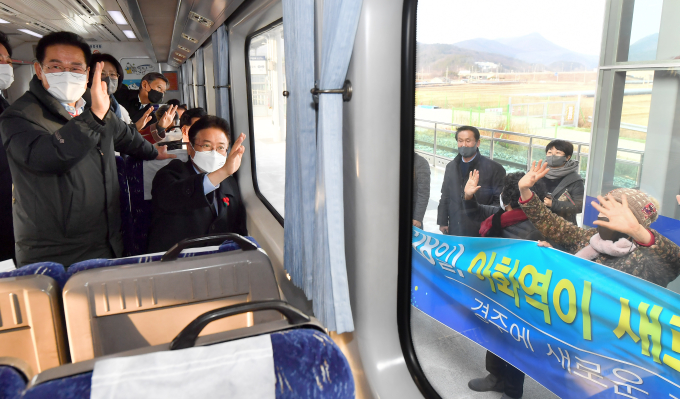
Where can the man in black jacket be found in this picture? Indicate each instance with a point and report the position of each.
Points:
(421, 189)
(151, 91)
(451, 215)
(6, 225)
(137, 102)
(60, 150)
(199, 196)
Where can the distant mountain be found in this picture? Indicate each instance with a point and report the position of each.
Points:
(488, 46)
(532, 48)
(435, 58)
(644, 49)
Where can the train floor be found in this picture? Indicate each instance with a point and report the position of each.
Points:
(450, 360)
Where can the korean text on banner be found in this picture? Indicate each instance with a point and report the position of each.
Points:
(579, 328)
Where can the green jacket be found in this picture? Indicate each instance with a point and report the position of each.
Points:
(66, 194)
(658, 263)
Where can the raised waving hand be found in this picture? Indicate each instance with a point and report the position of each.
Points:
(471, 187)
(620, 217)
(99, 93)
(535, 173)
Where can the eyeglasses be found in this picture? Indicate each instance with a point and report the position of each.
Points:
(110, 75)
(209, 147)
(60, 68)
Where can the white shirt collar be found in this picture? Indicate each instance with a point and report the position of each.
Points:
(473, 158)
(77, 110)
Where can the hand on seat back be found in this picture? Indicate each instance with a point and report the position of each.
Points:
(163, 152)
(99, 93)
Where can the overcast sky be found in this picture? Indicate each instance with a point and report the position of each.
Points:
(573, 24)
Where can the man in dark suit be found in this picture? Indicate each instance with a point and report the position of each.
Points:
(199, 196)
(138, 102)
(6, 224)
(452, 216)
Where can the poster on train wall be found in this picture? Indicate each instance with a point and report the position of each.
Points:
(134, 70)
(580, 329)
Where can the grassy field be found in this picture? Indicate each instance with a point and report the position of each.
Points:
(477, 97)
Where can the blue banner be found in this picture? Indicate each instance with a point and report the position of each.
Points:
(581, 329)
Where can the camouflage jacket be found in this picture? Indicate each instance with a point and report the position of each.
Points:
(658, 263)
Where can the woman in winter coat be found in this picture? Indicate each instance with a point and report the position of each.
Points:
(507, 220)
(622, 240)
(563, 181)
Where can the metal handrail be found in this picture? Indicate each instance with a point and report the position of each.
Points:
(530, 145)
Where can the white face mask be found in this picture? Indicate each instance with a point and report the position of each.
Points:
(208, 161)
(6, 76)
(502, 204)
(67, 87)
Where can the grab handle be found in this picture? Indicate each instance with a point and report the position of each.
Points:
(174, 252)
(187, 337)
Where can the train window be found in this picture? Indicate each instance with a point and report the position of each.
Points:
(267, 81)
(209, 78)
(491, 307)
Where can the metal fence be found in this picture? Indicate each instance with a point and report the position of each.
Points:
(579, 155)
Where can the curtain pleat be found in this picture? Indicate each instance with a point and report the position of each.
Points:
(323, 273)
(220, 39)
(298, 39)
(184, 92)
(340, 21)
(190, 84)
(200, 79)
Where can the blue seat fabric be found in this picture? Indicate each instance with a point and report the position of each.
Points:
(307, 364)
(140, 208)
(226, 246)
(12, 382)
(50, 269)
(74, 387)
(125, 208)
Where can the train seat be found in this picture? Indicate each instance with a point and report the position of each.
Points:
(89, 264)
(125, 207)
(50, 269)
(114, 309)
(306, 362)
(12, 382)
(140, 175)
(140, 208)
(32, 335)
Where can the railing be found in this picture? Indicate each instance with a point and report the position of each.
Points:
(578, 155)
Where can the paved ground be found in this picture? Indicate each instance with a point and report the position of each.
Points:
(450, 360)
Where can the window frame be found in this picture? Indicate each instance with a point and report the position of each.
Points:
(607, 69)
(406, 153)
(251, 126)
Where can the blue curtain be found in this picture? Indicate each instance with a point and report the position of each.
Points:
(298, 41)
(184, 97)
(191, 103)
(331, 292)
(200, 79)
(220, 39)
(324, 277)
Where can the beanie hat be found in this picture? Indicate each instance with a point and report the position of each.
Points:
(639, 203)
